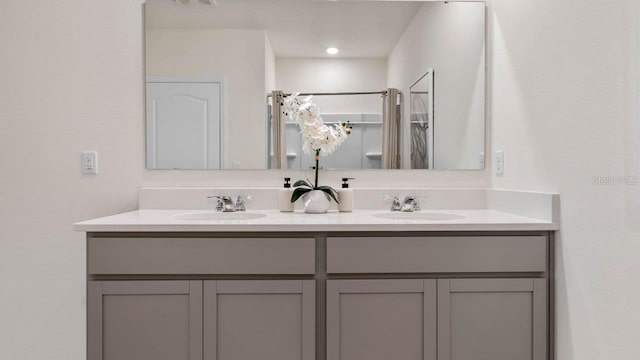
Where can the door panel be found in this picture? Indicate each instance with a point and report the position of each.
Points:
(381, 319)
(492, 319)
(263, 319)
(184, 125)
(145, 320)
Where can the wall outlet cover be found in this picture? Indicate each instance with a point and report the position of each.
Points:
(89, 164)
(500, 162)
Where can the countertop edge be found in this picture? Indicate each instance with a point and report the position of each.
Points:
(244, 228)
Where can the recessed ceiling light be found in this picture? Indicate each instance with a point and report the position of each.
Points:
(332, 50)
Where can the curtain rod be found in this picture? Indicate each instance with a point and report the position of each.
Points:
(384, 92)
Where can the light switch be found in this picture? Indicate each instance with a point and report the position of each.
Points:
(500, 162)
(89, 162)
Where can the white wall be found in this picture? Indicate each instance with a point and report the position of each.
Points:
(563, 111)
(448, 38)
(315, 75)
(269, 67)
(72, 80)
(175, 52)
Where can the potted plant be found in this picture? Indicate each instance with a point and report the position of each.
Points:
(318, 139)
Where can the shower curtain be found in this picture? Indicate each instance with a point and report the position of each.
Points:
(279, 150)
(392, 114)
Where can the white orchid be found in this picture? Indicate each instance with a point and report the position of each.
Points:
(318, 138)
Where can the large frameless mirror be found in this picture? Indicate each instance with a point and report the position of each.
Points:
(408, 76)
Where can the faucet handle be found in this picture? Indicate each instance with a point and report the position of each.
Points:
(219, 197)
(240, 202)
(395, 202)
(411, 202)
(219, 203)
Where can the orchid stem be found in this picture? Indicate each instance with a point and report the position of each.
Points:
(317, 168)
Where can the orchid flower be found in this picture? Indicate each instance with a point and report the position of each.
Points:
(317, 138)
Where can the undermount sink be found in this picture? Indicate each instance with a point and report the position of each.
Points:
(418, 216)
(218, 216)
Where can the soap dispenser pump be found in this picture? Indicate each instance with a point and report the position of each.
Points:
(284, 197)
(345, 196)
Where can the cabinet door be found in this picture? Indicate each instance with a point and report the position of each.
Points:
(492, 319)
(261, 319)
(381, 319)
(144, 320)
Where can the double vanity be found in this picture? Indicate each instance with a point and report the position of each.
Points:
(460, 279)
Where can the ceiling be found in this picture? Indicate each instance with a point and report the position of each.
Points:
(298, 28)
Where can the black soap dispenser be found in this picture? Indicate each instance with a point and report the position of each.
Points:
(346, 196)
(284, 196)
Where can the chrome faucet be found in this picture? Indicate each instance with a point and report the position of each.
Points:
(410, 204)
(240, 202)
(395, 202)
(226, 204)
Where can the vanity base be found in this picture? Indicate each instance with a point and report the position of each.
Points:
(336, 296)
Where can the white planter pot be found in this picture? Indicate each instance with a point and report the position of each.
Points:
(316, 202)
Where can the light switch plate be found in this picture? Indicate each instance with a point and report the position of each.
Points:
(500, 162)
(89, 163)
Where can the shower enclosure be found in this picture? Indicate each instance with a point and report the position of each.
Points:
(421, 124)
(374, 142)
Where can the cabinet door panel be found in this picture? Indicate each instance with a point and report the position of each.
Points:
(381, 319)
(492, 319)
(264, 319)
(140, 320)
(435, 254)
(195, 255)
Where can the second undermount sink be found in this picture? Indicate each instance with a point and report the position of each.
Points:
(218, 216)
(417, 216)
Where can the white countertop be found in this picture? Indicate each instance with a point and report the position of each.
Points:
(275, 221)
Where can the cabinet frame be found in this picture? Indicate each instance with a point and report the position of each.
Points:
(305, 288)
(320, 278)
(537, 288)
(96, 290)
(426, 287)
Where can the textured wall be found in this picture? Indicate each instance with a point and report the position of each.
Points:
(314, 75)
(448, 38)
(563, 79)
(71, 80)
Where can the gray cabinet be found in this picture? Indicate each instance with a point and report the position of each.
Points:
(474, 319)
(177, 320)
(381, 319)
(492, 319)
(436, 254)
(144, 320)
(199, 255)
(264, 319)
(413, 296)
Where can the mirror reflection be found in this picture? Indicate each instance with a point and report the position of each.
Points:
(409, 77)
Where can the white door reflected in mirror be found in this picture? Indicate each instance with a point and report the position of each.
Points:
(184, 122)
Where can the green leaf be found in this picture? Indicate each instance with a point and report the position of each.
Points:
(297, 193)
(302, 183)
(329, 190)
